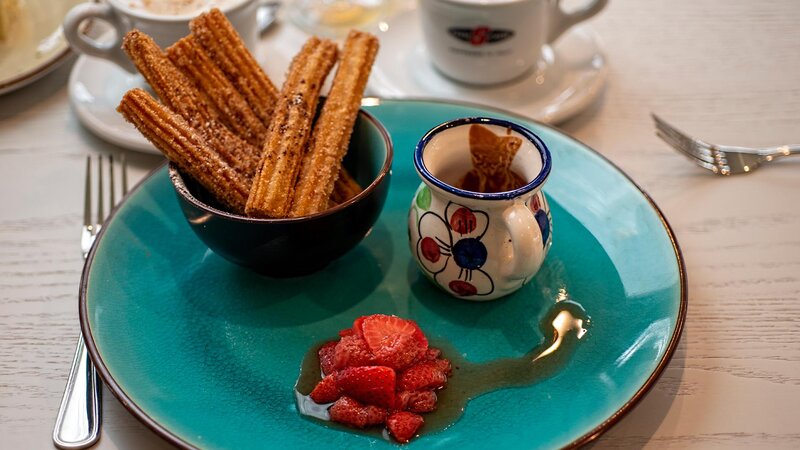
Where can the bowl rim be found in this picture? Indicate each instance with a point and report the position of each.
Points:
(183, 191)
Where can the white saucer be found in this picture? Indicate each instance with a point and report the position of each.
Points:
(95, 88)
(572, 75)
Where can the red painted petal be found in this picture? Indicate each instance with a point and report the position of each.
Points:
(430, 249)
(463, 288)
(463, 221)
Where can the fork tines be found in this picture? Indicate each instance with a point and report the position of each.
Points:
(700, 152)
(102, 190)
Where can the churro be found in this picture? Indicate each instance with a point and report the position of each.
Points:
(234, 111)
(345, 188)
(331, 134)
(180, 95)
(273, 185)
(173, 88)
(492, 156)
(184, 146)
(224, 46)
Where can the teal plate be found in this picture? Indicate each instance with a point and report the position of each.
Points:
(207, 353)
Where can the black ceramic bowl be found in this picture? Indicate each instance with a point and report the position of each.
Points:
(297, 246)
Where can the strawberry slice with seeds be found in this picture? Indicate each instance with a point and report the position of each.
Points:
(326, 353)
(398, 351)
(422, 401)
(352, 351)
(423, 376)
(403, 425)
(444, 365)
(374, 385)
(326, 391)
(350, 412)
(415, 401)
(357, 326)
(376, 327)
(432, 353)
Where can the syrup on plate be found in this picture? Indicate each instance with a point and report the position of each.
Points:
(562, 327)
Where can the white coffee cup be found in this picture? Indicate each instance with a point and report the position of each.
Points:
(493, 41)
(124, 15)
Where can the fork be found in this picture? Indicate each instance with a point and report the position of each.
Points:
(720, 159)
(79, 415)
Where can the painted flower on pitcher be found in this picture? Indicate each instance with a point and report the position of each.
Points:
(451, 250)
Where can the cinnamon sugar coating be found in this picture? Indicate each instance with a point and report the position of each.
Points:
(273, 186)
(184, 146)
(345, 187)
(331, 135)
(182, 96)
(224, 46)
(233, 110)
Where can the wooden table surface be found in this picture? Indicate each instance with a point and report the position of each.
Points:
(725, 70)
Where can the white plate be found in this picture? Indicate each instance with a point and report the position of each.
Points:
(35, 45)
(571, 77)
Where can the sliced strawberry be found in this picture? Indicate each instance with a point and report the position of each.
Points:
(415, 401)
(369, 384)
(326, 391)
(346, 332)
(326, 353)
(398, 351)
(378, 326)
(403, 425)
(375, 415)
(444, 365)
(432, 353)
(401, 400)
(352, 351)
(422, 401)
(357, 326)
(422, 376)
(350, 412)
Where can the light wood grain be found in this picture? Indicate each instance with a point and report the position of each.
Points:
(724, 70)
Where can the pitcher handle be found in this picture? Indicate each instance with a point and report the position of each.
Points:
(526, 241)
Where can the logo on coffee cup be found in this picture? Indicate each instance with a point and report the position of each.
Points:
(480, 35)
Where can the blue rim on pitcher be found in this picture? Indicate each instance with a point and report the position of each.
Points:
(506, 195)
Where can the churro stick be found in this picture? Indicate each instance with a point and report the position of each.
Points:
(224, 46)
(234, 111)
(181, 96)
(492, 156)
(173, 88)
(345, 188)
(331, 134)
(184, 146)
(273, 186)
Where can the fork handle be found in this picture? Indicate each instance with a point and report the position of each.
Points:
(78, 420)
(777, 152)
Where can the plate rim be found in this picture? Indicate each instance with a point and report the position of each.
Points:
(23, 79)
(20, 80)
(591, 435)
